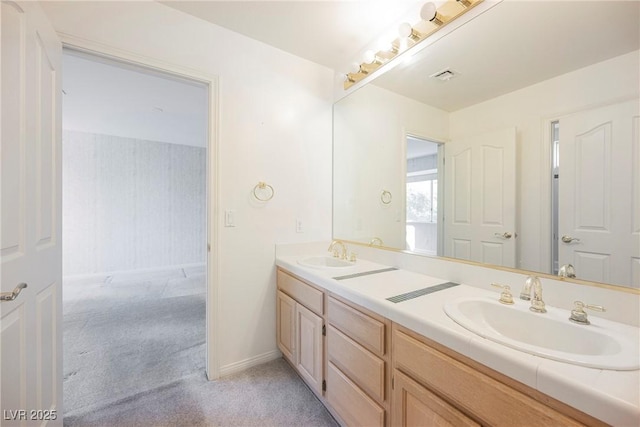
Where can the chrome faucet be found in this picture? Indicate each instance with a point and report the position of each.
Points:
(533, 284)
(334, 250)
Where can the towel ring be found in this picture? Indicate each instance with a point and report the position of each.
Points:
(260, 188)
(385, 197)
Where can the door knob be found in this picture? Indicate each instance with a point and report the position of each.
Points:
(505, 235)
(10, 296)
(567, 270)
(569, 239)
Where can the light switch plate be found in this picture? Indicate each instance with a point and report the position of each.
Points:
(229, 218)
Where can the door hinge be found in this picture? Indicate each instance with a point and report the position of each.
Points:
(393, 383)
(324, 331)
(324, 385)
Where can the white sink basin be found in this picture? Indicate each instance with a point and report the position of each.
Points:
(325, 262)
(603, 344)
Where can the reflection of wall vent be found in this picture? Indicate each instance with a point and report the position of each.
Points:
(444, 75)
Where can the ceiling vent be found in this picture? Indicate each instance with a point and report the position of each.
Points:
(444, 75)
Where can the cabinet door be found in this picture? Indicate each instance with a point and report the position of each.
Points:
(414, 405)
(309, 346)
(286, 326)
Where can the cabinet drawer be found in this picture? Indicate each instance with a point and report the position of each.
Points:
(358, 363)
(352, 404)
(474, 392)
(306, 295)
(363, 329)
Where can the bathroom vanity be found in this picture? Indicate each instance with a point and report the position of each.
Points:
(377, 362)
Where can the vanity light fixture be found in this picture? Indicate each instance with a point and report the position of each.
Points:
(409, 36)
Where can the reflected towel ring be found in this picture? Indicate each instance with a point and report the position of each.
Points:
(261, 188)
(385, 197)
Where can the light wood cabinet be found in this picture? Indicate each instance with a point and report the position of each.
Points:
(309, 349)
(353, 405)
(378, 373)
(285, 325)
(414, 405)
(299, 328)
(474, 390)
(363, 328)
(302, 292)
(358, 364)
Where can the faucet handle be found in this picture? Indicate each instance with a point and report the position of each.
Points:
(578, 315)
(505, 295)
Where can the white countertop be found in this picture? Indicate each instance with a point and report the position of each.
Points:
(611, 396)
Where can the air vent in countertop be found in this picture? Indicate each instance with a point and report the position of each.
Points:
(420, 292)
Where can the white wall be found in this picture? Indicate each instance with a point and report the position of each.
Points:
(369, 156)
(275, 126)
(112, 98)
(131, 204)
(529, 109)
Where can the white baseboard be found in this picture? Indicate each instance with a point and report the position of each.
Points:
(240, 366)
(104, 275)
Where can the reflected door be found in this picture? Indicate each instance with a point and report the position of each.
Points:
(480, 198)
(599, 194)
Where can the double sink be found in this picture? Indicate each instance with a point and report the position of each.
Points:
(603, 344)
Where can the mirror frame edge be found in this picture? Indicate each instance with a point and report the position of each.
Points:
(608, 286)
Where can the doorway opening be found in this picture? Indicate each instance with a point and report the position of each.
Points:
(135, 144)
(555, 190)
(423, 185)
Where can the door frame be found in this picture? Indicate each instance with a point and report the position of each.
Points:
(406, 133)
(212, 172)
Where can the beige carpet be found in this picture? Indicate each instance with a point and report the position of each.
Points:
(134, 350)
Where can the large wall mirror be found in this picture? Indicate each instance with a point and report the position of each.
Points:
(514, 141)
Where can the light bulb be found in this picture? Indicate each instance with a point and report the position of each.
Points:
(429, 12)
(405, 30)
(369, 57)
(388, 47)
(355, 68)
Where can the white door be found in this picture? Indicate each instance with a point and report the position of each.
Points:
(480, 198)
(31, 335)
(599, 194)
